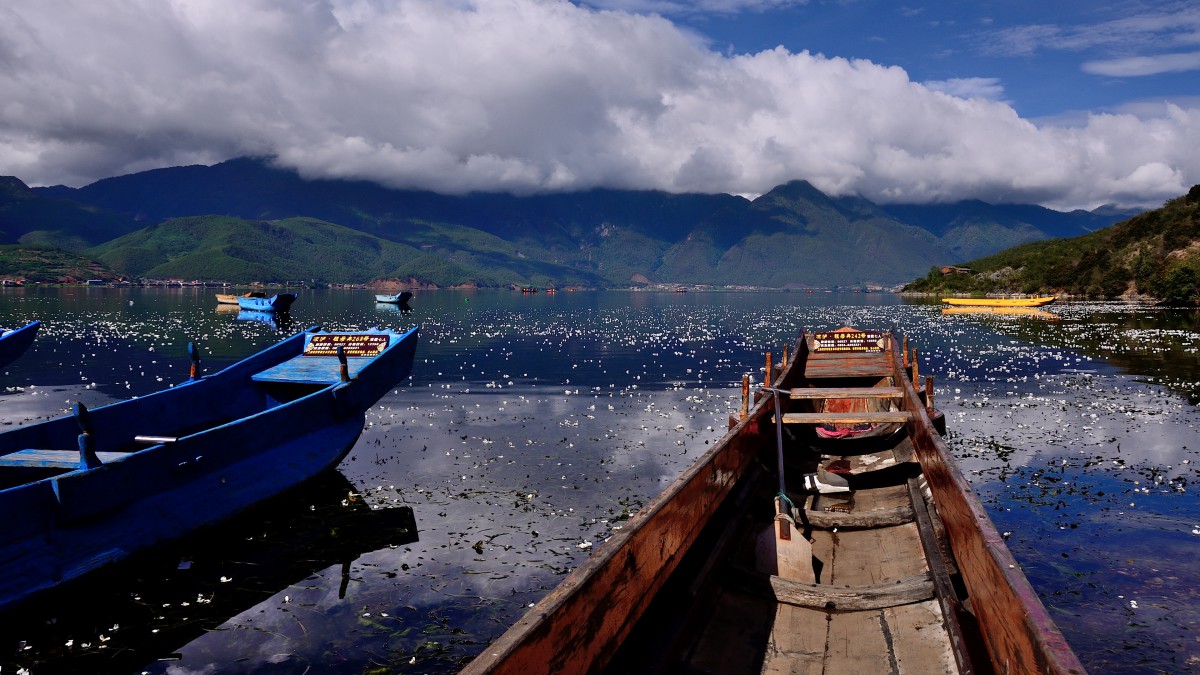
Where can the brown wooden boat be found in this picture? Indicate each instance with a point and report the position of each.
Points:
(875, 557)
(232, 298)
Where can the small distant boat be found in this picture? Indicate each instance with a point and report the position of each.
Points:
(401, 297)
(1034, 301)
(276, 303)
(232, 299)
(791, 553)
(150, 469)
(14, 343)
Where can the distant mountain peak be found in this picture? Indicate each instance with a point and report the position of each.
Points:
(11, 186)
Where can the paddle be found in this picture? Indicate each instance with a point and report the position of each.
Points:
(782, 549)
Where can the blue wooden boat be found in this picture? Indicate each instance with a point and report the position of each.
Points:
(81, 491)
(14, 343)
(279, 302)
(401, 297)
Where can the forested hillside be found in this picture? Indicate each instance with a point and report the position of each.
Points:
(1154, 254)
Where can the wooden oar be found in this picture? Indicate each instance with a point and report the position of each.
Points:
(782, 549)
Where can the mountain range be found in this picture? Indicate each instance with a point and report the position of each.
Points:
(244, 220)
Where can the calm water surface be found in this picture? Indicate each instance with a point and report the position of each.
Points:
(534, 425)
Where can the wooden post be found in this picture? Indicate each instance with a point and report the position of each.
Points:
(767, 377)
(783, 362)
(343, 367)
(915, 377)
(905, 351)
(929, 392)
(745, 397)
(194, 353)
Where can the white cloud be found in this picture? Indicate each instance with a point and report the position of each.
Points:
(969, 87)
(1134, 66)
(530, 95)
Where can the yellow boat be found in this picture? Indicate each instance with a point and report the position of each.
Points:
(1036, 301)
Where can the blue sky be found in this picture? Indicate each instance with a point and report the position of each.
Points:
(1066, 104)
(1047, 59)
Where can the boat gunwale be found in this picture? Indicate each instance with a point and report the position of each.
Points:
(1039, 647)
(18, 341)
(515, 650)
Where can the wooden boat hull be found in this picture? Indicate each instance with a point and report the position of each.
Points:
(232, 298)
(1000, 302)
(280, 302)
(16, 342)
(682, 587)
(211, 448)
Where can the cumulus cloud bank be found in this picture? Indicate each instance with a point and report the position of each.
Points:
(527, 96)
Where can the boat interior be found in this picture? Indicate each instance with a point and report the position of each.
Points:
(866, 582)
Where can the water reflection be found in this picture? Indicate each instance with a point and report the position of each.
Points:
(281, 321)
(277, 566)
(1027, 312)
(534, 425)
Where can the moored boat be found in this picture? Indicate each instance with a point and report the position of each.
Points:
(232, 298)
(279, 302)
(401, 297)
(14, 343)
(1033, 301)
(790, 552)
(84, 490)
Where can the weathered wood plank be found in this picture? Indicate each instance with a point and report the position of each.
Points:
(847, 417)
(824, 365)
(857, 643)
(916, 588)
(797, 642)
(827, 520)
(867, 557)
(918, 641)
(845, 392)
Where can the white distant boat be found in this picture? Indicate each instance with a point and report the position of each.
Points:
(402, 297)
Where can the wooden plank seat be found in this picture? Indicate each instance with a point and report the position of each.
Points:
(828, 520)
(848, 365)
(916, 588)
(309, 370)
(51, 459)
(846, 392)
(847, 417)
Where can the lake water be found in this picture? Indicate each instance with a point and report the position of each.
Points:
(534, 425)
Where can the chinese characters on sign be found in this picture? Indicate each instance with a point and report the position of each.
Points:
(849, 341)
(353, 344)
